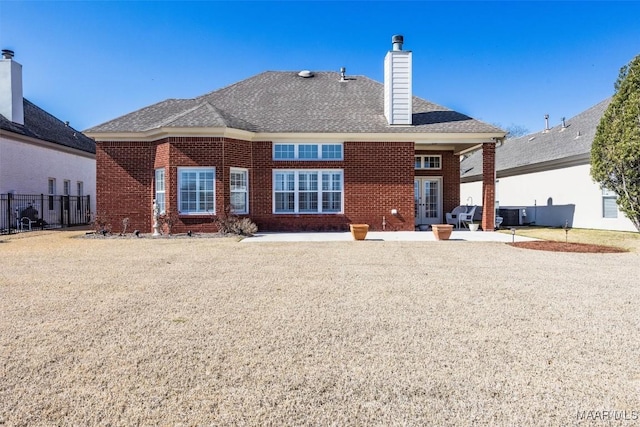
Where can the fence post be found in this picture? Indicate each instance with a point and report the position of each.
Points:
(9, 222)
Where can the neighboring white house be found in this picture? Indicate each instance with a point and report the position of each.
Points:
(40, 155)
(544, 178)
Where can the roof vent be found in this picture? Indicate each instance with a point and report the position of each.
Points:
(546, 123)
(564, 125)
(305, 74)
(7, 54)
(343, 75)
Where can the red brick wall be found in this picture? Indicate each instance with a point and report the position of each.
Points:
(488, 186)
(378, 177)
(124, 177)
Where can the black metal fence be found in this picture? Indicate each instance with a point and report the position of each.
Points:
(28, 212)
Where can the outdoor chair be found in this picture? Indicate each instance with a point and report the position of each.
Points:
(466, 218)
(27, 218)
(453, 217)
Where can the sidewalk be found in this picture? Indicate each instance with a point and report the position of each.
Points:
(386, 236)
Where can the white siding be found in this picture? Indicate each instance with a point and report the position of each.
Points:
(11, 105)
(570, 186)
(398, 105)
(25, 168)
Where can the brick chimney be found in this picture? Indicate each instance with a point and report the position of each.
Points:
(11, 101)
(398, 106)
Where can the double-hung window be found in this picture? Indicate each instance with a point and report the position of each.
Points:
(308, 191)
(304, 151)
(196, 191)
(160, 191)
(239, 182)
(51, 186)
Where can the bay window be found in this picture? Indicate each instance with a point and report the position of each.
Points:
(196, 190)
(160, 192)
(239, 182)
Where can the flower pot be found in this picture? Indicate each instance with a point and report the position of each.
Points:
(359, 231)
(442, 231)
(473, 227)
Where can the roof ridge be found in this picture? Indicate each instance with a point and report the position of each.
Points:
(166, 121)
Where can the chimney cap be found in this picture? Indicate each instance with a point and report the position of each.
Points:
(397, 42)
(7, 54)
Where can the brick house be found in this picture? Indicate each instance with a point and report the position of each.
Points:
(293, 151)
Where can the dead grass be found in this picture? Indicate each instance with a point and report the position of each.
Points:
(217, 332)
(627, 240)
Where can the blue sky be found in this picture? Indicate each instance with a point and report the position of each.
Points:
(507, 63)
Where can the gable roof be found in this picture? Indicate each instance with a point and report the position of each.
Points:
(279, 102)
(41, 125)
(543, 150)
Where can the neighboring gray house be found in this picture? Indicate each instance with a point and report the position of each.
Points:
(544, 178)
(42, 161)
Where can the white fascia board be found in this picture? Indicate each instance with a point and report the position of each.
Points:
(160, 133)
(416, 137)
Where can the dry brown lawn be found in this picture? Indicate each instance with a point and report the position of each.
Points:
(219, 332)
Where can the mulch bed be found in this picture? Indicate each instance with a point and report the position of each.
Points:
(548, 245)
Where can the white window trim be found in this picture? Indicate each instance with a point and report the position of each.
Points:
(246, 173)
(196, 168)
(296, 151)
(423, 156)
(50, 182)
(80, 188)
(296, 191)
(161, 209)
(66, 187)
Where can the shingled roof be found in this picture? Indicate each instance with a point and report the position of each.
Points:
(284, 102)
(41, 125)
(554, 148)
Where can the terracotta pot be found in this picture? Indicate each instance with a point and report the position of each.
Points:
(442, 231)
(359, 231)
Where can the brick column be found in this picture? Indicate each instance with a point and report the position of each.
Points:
(488, 186)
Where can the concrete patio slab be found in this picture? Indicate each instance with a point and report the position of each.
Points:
(386, 236)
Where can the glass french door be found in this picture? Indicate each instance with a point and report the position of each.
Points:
(428, 200)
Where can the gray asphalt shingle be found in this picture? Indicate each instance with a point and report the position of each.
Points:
(42, 125)
(538, 148)
(276, 101)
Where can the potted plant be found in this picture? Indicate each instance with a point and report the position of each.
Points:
(442, 231)
(359, 231)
